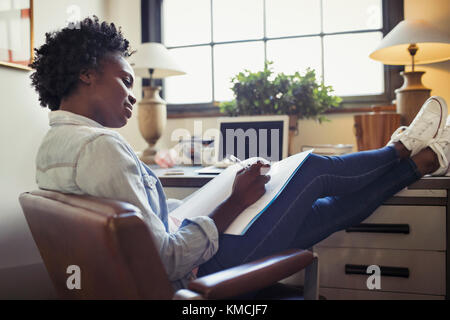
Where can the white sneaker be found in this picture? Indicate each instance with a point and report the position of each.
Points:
(426, 127)
(442, 148)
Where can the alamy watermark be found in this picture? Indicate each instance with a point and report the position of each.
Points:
(264, 143)
(74, 280)
(74, 16)
(374, 280)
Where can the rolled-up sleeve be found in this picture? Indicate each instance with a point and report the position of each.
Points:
(194, 243)
(105, 168)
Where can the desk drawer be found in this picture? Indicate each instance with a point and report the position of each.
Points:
(347, 294)
(396, 227)
(422, 193)
(425, 270)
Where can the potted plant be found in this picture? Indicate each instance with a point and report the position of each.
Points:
(298, 96)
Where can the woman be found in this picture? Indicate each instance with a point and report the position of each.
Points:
(82, 75)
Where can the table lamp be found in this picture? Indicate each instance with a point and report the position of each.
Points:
(152, 60)
(412, 42)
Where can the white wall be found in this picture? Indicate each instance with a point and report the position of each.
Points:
(436, 12)
(22, 126)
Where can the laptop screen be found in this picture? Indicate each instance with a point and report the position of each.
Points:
(254, 138)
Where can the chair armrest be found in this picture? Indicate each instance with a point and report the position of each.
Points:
(251, 276)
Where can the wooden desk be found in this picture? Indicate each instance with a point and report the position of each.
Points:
(190, 179)
(181, 186)
(408, 233)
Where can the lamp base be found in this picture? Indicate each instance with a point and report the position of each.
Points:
(411, 96)
(148, 156)
(152, 118)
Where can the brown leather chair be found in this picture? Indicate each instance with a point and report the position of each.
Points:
(114, 250)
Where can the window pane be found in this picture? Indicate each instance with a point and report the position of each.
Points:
(292, 55)
(186, 22)
(351, 15)
(196, 85)
(292, 17)
(237, 20)
(348, 67)
(229, 60)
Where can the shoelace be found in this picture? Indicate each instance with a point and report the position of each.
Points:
(400, 132)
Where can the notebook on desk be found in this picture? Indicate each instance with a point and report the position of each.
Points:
(205, 200)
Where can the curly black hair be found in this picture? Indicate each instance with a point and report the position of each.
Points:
(67, 52)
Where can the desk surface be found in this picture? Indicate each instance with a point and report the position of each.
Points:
(191, 179)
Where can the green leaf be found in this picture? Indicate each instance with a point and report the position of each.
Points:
(264, 92)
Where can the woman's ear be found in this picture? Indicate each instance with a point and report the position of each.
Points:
(86, 76)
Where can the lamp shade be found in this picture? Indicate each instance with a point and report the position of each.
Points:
(153, 55)
(433, 44)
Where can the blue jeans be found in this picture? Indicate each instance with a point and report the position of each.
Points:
(326, 195)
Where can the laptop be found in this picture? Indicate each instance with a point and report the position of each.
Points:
(249, 136)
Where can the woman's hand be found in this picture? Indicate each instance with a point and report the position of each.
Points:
(249, 185)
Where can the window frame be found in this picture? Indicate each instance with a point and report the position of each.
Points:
(393, 13)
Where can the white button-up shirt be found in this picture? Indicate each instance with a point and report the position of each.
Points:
(80, 156)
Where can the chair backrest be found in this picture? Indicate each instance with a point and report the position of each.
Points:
(108, 240)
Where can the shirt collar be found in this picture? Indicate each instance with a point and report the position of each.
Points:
(59, 117)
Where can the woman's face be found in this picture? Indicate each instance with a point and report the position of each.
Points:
(110, 92)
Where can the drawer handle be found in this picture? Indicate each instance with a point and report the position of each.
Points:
(380, 228)
(385, 271)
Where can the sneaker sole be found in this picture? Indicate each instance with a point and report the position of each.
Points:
(444, 112)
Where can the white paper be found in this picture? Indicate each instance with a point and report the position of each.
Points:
(205, 200)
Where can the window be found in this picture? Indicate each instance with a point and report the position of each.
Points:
(216, 39)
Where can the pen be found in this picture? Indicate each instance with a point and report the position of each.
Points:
(263, 171)
(235, 159)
